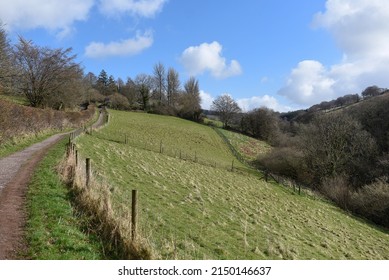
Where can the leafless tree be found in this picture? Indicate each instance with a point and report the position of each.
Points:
(44, 71)
(6, 68)
(173, 86)
(226, 107)
(190, 100)
(159, 82)
(143, 84)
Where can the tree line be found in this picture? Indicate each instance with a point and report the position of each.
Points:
(53, 78)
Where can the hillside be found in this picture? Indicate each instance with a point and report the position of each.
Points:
(192, 210)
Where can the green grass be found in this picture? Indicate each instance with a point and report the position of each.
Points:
(146, 131)
(54, 229)
(192, 211)
(23, 142)
(214, 123)
(249, 148)
(18, 99)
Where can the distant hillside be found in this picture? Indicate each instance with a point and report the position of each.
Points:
(343, 102)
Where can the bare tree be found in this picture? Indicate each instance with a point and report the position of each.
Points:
(143, 84)
(173, 86)
(226, 107)
(6, 69)
(159, 81)
(44, 71)
(190, 100)
(335, 145)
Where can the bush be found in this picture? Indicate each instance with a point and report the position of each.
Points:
(372, 201)
(118, 101)
(19, 121)
(285, 161)
(337, 189)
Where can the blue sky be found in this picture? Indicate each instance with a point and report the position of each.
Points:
(281, 54)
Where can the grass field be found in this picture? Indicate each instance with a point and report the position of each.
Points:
(192, 211)
(146, 131)
(249, 148)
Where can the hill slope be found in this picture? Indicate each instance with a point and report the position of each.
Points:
(194, 211)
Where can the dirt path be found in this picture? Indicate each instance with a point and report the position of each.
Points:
(16, 171)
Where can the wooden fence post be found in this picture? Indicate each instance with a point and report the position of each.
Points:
(160, 147)
(232, 165)
(88, 172)
(134, 214)
(266, 175)
(76, 157)
(195, 156)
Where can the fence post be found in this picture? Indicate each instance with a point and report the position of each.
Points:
(266, 175)
(88, 172)
(195, 156)
(299, 189)
(134, 214)
(180, 155)
(160, 147)
(232, 165)
(76, 157)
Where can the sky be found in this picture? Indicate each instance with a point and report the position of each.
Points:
(284, 55)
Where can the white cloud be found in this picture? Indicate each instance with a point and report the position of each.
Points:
(127, 47)
(144, 8)
(308, 82)
(54, 15)
(207, 57)
(206, 100)
(360, 29)
(247, 104)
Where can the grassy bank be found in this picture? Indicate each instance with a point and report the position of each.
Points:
(193, 211)
(54, 229)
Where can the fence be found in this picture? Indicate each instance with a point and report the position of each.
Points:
(120, 234)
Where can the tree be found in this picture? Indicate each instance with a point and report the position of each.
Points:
(190, 100)
(111, 85)
(226, 107)
(102, 82)
(6, 69)
(44, 71)
(130, 91)
(372, 91)
(143, 85)
(336, 145)
(159, 82)
(261, 123)
(173, 86)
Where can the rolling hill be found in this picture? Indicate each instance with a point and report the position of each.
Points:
(192, 208)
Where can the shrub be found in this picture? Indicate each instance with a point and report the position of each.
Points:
(372, 201)
(337, 189)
